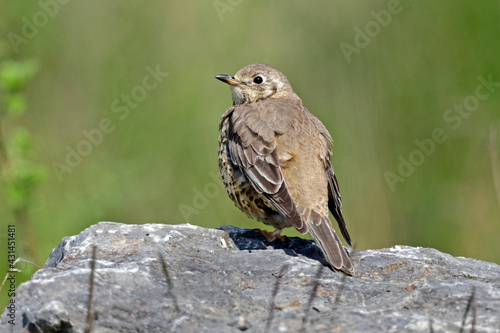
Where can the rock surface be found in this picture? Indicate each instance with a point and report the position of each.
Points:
(224, 281)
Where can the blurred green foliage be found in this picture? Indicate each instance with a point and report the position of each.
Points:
(22, 175)
(159, 150)
(14, 76)
(19, 175)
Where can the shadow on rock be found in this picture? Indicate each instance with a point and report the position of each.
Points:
(251, 240)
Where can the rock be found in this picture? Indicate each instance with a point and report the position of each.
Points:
(225, 281)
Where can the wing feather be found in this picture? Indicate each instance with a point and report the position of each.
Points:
(334, 199)
(252, 147)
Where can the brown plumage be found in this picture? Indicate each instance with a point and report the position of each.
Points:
(274, 158)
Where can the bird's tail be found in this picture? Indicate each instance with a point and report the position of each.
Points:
(325, 236)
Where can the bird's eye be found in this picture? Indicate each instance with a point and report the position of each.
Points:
(258, 80)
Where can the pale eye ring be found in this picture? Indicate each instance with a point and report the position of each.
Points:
(258, 80)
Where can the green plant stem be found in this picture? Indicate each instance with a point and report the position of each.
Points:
(3, 151)
(29, 242)
(493, 154)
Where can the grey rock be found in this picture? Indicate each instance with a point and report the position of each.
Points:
(224, 281)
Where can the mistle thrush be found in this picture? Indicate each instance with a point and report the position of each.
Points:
(274, 158)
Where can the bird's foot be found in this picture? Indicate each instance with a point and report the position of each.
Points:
(271, 236)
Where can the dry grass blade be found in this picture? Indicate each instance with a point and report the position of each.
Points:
(341, 289)
(473, 325)
(169, 282)
(16, 270)
(273, 297)
(317, 277)
(226, 236)
(467, 309)
(90, 322)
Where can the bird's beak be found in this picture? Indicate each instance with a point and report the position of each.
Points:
(229, 79)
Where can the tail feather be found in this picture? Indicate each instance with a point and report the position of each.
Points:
(329, 243)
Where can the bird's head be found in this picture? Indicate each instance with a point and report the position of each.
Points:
(258, 82)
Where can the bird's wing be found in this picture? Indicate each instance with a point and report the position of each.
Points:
(252, 147)
(334, 200)
(334, 204)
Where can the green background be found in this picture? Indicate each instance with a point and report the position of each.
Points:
(158, 159)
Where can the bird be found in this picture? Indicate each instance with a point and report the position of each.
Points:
(275, 161)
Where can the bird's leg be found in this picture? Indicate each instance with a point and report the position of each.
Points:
(271, 236)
